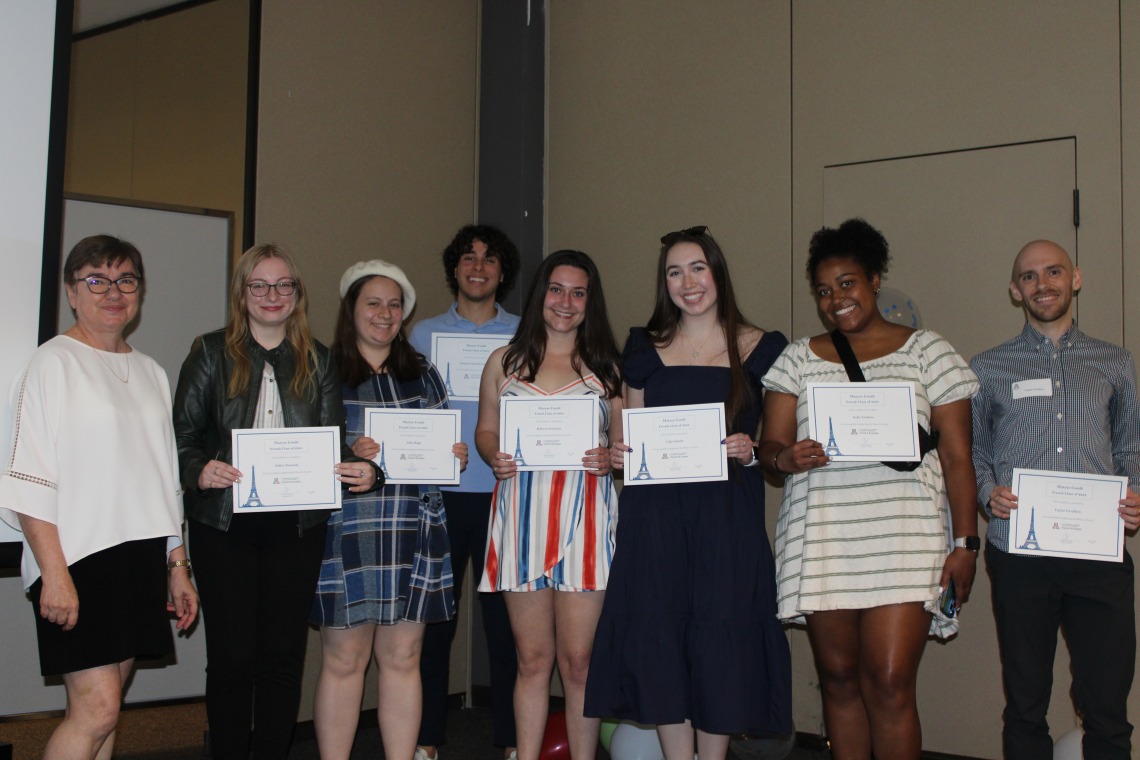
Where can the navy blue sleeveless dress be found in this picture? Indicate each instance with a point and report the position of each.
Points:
(688, 630)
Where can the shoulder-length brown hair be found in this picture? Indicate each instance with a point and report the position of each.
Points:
(297, 332)
(594, 344)
(403, 361)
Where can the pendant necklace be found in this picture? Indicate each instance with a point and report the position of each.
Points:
(127, 360)
(694, 352)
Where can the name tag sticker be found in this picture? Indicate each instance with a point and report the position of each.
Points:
(1031, 388)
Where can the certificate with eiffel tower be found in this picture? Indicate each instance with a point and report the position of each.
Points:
(1065, 514)
(286, 469)
(675, 444)
(864, 422)
(415, 444)
(460, 358)
(548, 432)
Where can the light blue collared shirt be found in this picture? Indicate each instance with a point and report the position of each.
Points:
(477, 478)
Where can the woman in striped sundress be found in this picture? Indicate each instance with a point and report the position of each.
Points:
(862, 550)
(550, 540)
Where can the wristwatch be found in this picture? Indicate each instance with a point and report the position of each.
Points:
(973, 543)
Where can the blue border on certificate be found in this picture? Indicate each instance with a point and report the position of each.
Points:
(831, 447)
(513, 440)
(636, 457)
(380, 459)
(464, 339)
(1031, 535)
(243, 495)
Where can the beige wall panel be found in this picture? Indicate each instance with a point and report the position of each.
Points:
(1130, 168)
(367, 128)
(878, 79)
(884, 78)
(190, 112)
(100, 116)
(157, 111)
(665, 115)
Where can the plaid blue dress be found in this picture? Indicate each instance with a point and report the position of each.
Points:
(387, 556)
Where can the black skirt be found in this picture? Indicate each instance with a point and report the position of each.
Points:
(122, 610)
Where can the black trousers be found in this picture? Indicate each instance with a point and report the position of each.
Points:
(467, 519)
(1093, 602)
(256, 582)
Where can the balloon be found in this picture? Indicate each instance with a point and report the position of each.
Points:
(1068, 747)
(896, 306)
(555, 745)
(607, 733)
(630, 742)
(762, 746)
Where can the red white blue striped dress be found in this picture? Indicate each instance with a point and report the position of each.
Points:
(552, 529)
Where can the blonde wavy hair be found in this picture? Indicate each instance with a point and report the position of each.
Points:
(297, 332)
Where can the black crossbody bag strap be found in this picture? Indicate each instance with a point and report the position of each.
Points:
(926, 441)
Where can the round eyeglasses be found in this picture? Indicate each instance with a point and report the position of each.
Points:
(100, 285)
(261, 289)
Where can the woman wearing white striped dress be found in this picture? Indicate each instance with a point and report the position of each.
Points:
(550, 540)
(861, 549)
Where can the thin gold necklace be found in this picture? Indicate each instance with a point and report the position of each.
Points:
(111, 370)
(694, 352)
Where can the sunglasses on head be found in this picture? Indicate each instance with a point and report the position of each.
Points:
(673, 237)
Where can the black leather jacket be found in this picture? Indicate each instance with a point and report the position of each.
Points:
(204, 417)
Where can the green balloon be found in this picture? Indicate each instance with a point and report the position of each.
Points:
(607, 733)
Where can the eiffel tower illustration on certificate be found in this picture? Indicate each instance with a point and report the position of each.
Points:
(518, 457)
(253, 501)
(1031, 539)
(643, 471)
(381, 464)
(447, 382)
(832, 448)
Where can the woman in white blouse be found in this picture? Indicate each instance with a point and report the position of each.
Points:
(92, 480)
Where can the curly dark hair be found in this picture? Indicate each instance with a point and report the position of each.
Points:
(595, 347)
(855, 239)
(497, 244)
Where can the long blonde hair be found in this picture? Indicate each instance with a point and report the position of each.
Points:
(297, 332)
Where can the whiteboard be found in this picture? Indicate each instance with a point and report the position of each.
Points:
(186, 256)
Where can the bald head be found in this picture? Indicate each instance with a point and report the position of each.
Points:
(1036, 249)
(1044, 281)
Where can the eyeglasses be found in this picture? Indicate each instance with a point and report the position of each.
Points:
(672, 237)
(100, 285)
(261, 289)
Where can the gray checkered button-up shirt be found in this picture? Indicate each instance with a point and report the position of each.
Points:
(1069, 408)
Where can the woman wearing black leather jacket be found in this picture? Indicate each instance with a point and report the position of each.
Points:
(256, 572)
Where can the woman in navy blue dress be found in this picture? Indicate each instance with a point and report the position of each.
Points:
(688, 638)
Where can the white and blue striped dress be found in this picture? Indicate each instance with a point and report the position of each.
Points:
(855, 535)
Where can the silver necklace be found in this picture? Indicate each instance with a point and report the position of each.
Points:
(127, 359)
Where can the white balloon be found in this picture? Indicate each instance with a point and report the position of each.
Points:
(896, 306)
(630, 742)
(1068, 747)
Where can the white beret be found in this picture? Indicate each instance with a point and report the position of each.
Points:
(379, 267)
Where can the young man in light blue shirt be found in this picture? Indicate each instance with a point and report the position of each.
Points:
(481, 265)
